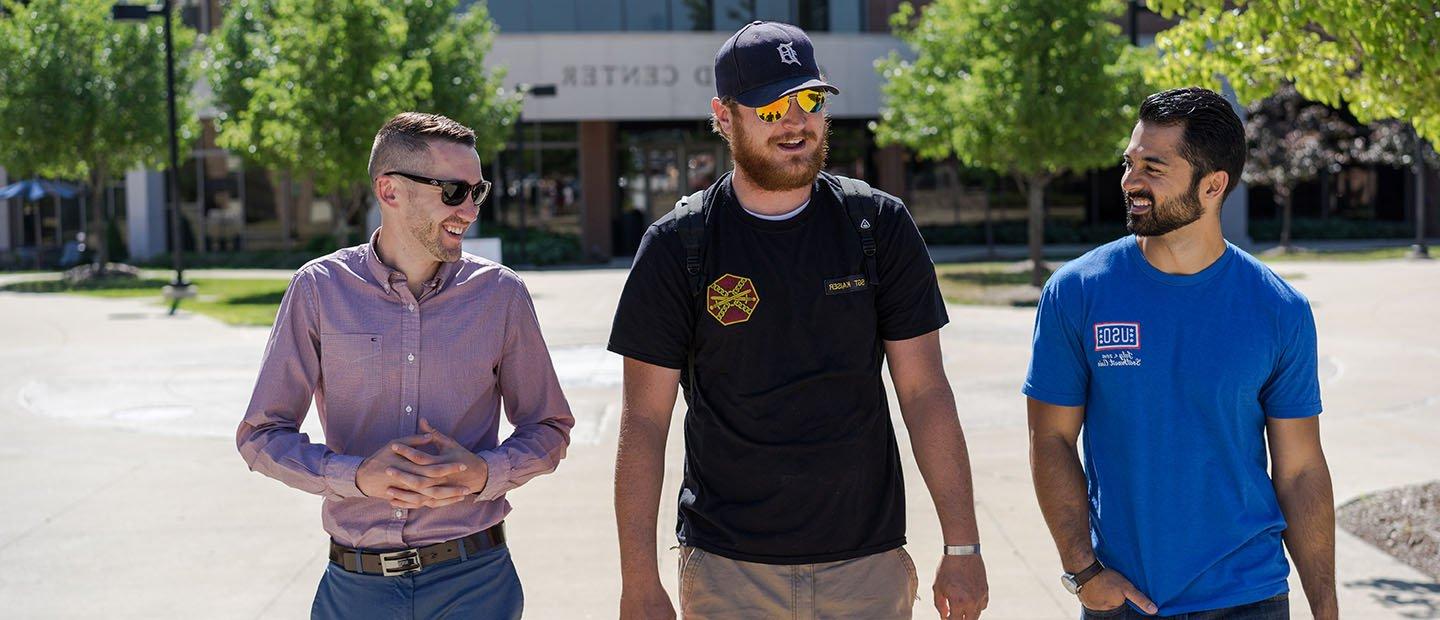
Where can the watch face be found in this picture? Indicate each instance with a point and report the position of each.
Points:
(1069, 582)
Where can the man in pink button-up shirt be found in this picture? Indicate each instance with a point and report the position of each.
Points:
(408, 347)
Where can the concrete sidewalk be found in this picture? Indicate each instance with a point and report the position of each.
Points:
(125, 497)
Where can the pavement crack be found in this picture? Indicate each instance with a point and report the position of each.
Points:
(1010, 543)
(69, 507)
(295, 576)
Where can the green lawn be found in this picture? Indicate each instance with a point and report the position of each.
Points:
(988, 283)
(998, 283)
(1339, 255)
(254, 302)
(237, 302)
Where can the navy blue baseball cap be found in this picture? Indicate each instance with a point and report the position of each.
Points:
(765, 61)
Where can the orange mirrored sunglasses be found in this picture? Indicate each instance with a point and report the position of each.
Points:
(810, 102)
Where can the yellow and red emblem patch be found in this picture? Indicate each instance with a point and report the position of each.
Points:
(731, 299)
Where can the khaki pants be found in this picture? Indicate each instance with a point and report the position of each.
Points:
(874, 587)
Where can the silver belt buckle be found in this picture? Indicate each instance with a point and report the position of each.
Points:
(400, 563)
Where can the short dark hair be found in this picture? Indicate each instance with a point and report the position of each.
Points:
(407, 136)
(1214, 137)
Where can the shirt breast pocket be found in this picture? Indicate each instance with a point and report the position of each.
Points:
(350, 366)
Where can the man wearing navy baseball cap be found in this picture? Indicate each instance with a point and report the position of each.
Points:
(773, 298)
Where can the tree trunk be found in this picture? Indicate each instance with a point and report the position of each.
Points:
(1282, 196)
(39, 241)
(1419, 249)
(954, 187)
(96, 236)
(1327, 196)
(284, 209)
(351, 201)
(1035, 194)
(341, 210)
(989, 218)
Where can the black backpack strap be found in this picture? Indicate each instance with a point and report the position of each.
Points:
(690, 214)
(860, 205)
(690, 223)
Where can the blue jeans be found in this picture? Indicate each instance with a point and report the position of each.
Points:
(1273, 608)
(483, 586)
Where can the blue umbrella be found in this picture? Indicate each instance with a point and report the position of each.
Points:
(35, 189)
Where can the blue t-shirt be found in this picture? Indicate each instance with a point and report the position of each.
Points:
(1177, 375)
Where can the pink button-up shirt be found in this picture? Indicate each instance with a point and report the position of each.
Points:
(376, 359)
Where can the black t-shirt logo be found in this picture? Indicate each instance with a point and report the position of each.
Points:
(731, 299)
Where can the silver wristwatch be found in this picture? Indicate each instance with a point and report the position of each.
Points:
(962, 549)
(1073, 582)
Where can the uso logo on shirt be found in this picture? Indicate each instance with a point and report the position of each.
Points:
(1112, 336)
(731, 299)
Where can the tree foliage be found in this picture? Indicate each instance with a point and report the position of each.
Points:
(303, 85)
(83, 96)
(1291, 140)
(1026, 88)
(1380, 60)
(1393, 143)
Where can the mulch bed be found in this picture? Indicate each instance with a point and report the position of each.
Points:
(1403, 522)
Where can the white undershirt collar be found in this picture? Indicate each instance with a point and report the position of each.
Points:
(782, 217)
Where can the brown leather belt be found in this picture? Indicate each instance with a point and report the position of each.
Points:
(411, 561)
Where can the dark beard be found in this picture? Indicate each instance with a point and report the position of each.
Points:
(1164, 217)
(769, 176)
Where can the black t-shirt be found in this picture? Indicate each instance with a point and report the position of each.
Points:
(790, 457)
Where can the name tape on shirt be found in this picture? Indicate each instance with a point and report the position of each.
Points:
(1112, 336)
(847, 284)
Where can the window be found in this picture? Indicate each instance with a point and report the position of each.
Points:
(553, 15)
(773, 10)
(693, 15)
(601, 15)
(510, 17)
(843, 15)
(730, 15)
(647, 15)
(672, 15)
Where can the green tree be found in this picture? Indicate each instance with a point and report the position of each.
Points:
(1292, 140)
(1029, 89)
(304, 84)
(1378, 60)
(1381, 60)
(83, 96)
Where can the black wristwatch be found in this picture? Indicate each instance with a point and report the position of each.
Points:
(1074, 581)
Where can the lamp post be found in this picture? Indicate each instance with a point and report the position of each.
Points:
(532, 90)
(178, 288)
(1419, 250)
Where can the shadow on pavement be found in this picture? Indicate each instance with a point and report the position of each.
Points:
(1409, 599)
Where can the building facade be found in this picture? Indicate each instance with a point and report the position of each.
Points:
(623, 136)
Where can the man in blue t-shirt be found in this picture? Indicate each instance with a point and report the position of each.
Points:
(1180, 356)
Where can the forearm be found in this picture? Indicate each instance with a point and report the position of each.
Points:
(1308, 503)
(1060, 488)
(534, 403)
(282, 452)
(639, 475)
(269, 437)
(944, 460)
(533, 449)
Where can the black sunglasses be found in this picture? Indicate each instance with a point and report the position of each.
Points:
(452, 193)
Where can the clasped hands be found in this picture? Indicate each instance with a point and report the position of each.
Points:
(408, 476)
